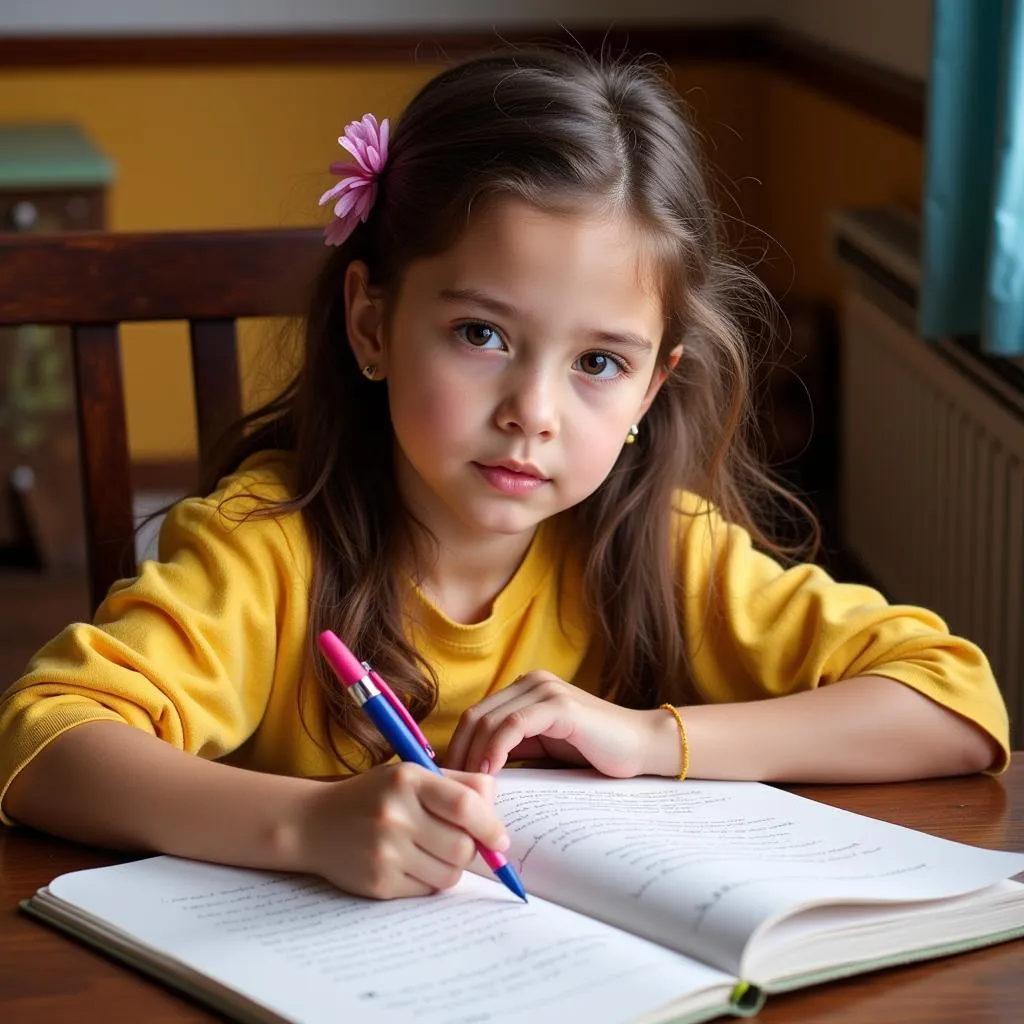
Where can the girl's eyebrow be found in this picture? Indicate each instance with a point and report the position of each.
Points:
(478, 298)
(500, 308)
(627, 338)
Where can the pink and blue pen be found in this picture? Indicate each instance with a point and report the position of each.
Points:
(399, 728)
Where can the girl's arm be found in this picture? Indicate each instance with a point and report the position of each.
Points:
(805, 678)
(109, 784)
(868, 729)
(393, 831)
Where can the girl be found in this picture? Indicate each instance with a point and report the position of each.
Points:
(511, 475)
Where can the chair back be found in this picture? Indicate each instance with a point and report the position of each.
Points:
(93, 282)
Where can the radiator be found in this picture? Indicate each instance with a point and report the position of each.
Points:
(932, 482)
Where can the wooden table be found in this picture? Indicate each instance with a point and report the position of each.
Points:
(47, 978)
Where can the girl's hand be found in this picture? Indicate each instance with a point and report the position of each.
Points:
(397, 830)
(540, 715)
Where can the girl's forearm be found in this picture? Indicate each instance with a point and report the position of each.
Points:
(869, 729)
(112, 785)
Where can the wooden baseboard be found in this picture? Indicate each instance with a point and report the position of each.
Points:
(408, 45)
(897, 100)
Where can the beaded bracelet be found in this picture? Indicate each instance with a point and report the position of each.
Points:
(684, 747)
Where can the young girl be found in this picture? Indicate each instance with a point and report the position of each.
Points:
(511, 475)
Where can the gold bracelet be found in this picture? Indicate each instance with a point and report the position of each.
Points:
(684, 747)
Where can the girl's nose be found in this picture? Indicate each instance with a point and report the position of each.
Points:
(531, 405)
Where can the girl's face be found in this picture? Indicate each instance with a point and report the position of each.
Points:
(516, 362)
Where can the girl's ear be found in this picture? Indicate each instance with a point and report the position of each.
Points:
(659, 378)
(364, 319)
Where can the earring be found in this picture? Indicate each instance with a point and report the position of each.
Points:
(632, 434)
(369, 371)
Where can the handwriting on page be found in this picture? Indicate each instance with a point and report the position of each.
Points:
(467, 955)
(690, 848)
(308, 923)
(636, 832)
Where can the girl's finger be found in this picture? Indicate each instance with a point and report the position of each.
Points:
(469, 721)
(429, 873)
(411, 885)
(462, 809)
(482, 721)
(467, 724)
(522, 692)
(482, 784)
(548, 717)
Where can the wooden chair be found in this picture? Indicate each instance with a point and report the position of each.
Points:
(93, 282)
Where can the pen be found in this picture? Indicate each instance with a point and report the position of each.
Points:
(403, 712)
(398, 727)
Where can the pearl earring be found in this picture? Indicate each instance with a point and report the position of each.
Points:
(632, 434)
(369, 371)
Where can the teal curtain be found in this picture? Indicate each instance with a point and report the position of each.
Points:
(973, 239)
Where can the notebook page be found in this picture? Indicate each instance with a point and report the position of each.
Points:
(699, 865)
(313, 954)
(796, 946)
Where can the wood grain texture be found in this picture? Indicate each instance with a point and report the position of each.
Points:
(98, 277)
(45, 976)
(103, 453)
(216, 381)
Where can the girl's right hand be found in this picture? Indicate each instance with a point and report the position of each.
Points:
(398, 830)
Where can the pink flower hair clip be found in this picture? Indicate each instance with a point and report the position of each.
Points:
(367, 141)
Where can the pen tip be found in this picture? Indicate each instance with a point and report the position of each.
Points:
(511, 880)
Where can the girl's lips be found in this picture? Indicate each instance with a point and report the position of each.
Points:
(510, 481)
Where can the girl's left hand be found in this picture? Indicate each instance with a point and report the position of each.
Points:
(540, 715)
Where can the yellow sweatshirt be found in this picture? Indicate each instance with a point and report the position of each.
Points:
(206, 647)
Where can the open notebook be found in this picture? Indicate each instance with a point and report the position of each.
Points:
(650, 900)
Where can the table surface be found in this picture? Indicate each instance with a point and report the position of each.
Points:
(47, 978)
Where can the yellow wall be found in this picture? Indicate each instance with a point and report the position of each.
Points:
(244, 147)
(792, 155)
(819, 155)
(205, 148)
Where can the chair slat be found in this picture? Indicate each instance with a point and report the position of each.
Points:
(102, 278)
(215, 375)
(93, 281)
(103, 450)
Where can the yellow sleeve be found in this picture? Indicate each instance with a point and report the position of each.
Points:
(754, 629)
(188, 650)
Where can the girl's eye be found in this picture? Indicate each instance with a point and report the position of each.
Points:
(600, 365)
(479, 335)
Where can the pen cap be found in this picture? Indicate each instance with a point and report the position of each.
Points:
(342, 660)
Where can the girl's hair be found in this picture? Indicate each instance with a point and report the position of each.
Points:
(562, 132)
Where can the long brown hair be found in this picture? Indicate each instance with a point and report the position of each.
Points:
(562, 132)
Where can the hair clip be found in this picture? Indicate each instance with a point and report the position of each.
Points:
(367, 141)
